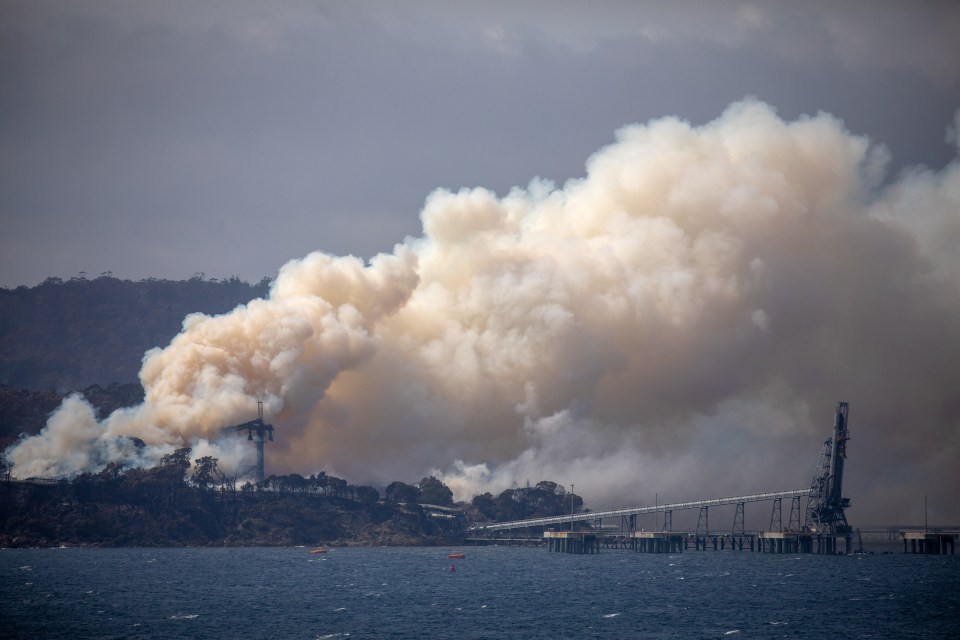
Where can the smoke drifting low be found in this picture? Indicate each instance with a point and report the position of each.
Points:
(682, 319)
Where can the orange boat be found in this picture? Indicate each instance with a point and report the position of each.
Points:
(457, 555)
(319, 550)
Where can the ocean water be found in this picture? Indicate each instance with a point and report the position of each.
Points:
(496, 592)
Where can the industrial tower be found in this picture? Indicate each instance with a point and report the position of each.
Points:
(259, 428)
(826, 503)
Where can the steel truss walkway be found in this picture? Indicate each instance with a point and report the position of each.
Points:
(597, 515)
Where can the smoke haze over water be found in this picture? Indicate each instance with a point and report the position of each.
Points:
(683, 319)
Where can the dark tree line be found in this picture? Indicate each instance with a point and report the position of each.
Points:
(428, 491)
(167, 483)
(545, 499)
(175, 477)
(319, 484)
(185, 500)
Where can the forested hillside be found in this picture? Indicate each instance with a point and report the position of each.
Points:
(66, 335)
(191, 502)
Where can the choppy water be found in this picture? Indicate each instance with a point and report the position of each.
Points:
(495, 592)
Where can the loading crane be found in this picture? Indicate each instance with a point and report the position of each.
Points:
(256, 430)
(826, 504)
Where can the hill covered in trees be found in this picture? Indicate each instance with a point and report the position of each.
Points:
(180, 502)
(65, 335)
(192, 502)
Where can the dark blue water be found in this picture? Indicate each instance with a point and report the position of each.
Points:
(495, 592)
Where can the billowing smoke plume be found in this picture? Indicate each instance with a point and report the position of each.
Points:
(682, 319)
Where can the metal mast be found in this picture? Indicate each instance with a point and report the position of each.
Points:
(260, 429)
(825, 508)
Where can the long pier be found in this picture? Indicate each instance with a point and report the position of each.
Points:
(768, 542)
(817, 527)
(775, 541)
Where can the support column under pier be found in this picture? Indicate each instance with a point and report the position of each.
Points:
(658, 542)
(928, 543)
(572, 542)
(780, 543)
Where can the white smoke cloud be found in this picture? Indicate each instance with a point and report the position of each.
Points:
(285, 351)
(685, 316)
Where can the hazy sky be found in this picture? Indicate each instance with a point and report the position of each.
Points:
(227, 137)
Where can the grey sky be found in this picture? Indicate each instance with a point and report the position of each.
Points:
(163, 139)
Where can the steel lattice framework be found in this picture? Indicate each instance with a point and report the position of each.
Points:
(826, 504)
(615, 513)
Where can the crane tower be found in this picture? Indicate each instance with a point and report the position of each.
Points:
(256, 430)
(825, 507)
